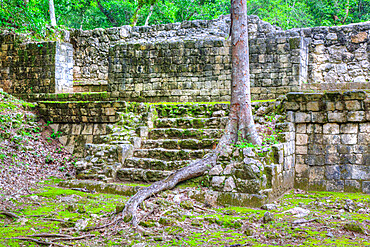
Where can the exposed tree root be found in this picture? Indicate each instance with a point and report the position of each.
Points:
(37, 241)
(73, 238)
(240, 123)
(49, 235)
(9, 214)
(194, 170)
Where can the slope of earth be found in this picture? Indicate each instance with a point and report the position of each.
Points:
(29, 151)
(63, 217)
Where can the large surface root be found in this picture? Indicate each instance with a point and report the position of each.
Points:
(194, 170)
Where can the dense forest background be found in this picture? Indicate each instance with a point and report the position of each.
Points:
(33, 15)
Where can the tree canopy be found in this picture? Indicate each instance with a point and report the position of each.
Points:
(33, 15)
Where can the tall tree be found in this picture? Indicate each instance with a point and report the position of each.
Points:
(52, 13)
(240, 117)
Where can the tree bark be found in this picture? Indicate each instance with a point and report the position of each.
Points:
(135, 17)
(240, 82)
(107, 14)
(149, 15)
(240, 117)
(52, 13)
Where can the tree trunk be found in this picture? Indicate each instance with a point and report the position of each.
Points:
(149, 15)
(240, 83)
(52, 13)
(240, 117)
(107, 14)
(135, 17)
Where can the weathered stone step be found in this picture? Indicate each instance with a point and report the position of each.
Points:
(174, 133)
(192, 110)
(170, 154)
(142, 175)
(189, 122)
(181, 144)
(155, 164)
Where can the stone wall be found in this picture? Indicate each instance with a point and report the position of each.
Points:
(339, 55)
(80, 111)
(319, 58)
(92, 46)
(200, 70)
(332, 140)
(322, 58)
(44, 67)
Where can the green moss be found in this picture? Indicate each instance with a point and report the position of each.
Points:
(149, 223)
(354, 227)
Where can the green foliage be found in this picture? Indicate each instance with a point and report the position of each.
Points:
(89, 14)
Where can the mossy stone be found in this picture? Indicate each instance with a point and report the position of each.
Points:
(165, 221)
(187, 205)
(119, 208)
(354, 227)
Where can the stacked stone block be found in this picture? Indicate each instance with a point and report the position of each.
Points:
(332, 140)
(200, 70)
(92, 46)
(80, 112)
(275, 65)
(190, 70)
(44, 67)
(339, 56)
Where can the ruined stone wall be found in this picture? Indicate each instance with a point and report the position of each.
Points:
(79, 123)
(322, 58)
(332, 140)
(338, 56)
(44, 67)
(200, 69)
(92, 46)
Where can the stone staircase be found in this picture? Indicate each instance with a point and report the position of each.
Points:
(174, 142)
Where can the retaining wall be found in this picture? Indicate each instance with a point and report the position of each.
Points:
(43, 67)
(332, 140)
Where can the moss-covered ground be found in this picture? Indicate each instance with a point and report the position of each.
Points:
(173, 219)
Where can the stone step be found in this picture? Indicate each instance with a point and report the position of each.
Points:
(190, 122)
(142, 175)
(181, 144)
(192, 110)
(170, 154)
(175, 133)
(155, 164)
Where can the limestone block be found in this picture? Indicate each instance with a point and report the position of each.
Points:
(366, 187)
(301, 139)
(331, 128)
(356, 116)
(302, 170)
(331, 139)
(301, 150)
(332, 159)
(352, 186)
(337, 117)
(317, 173)
(301, 117)
(351, 128)
(229, 169)
(360, 172)
(313, 106)
(301, 128)
(229, 184)
(335, 185)
(364, 127)
(349, 139)
(217, 181)
(364, 138)
(353, 105)
(359, 38)
(216, 170)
